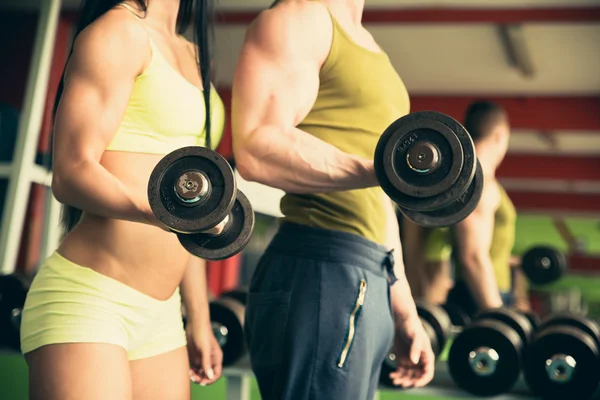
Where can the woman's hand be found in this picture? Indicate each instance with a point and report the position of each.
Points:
(205, 354)
(413, 354)
(151, 219)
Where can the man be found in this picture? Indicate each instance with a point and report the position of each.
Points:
(311, 96)
(484, 240)
(427, 261)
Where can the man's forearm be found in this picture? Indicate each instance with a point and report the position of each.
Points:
(195, 292)
(403, 304)
(479, 276)
(297, 162)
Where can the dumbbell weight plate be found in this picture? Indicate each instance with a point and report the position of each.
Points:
(229, 313)
(534, 320)
(437, 318)
(167, 189)
(484, 358)
(543, 264)
(236, 236)
(453, 213)
(516, 320)
(458, 317)
(573, 321)
(424, 191)
(389, 365)
(13, 291)
(562, 363)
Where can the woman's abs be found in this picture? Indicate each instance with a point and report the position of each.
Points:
(144, 257)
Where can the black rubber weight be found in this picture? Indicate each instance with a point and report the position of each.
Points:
(230, 314)
(439, 320)
(491, 334)
(13, 291)
(458, 317)
(560, 341)
(230, 242)
(586, 325)
(541, 274)
(454, 212)
(515, 319)
(204, 215)
(417, 191)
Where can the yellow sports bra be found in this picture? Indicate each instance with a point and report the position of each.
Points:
(165, 111)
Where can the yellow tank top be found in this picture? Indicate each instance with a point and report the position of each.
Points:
(360, 95)
(165, 111)
(503, 240)
(438, 244)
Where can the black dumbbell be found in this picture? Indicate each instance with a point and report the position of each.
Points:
(227, 320)
(13, 291)
(438, 327)
(563, 360)
(426, 163)
(543, 264)
(485, 359)
(457, 315)
(192, 190)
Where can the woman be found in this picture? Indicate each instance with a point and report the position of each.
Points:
(103, 316)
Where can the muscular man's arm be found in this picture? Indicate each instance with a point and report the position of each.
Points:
(474, 238)
(403, 303)
(274, 88)
(413, 252)
(107, 57)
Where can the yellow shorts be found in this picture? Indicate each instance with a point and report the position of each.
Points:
(68, 303)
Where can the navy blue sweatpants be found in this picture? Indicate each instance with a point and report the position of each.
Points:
(318, 317)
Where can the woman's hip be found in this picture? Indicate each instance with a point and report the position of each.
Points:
(68, 303)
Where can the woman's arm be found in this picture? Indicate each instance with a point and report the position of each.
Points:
(107, 56)
(204, 353)
(194, 292)
(274, 88)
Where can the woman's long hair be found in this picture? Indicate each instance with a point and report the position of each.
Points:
(197, 11)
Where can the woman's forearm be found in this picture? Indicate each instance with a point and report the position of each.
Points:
(91, 188)
(194, 291)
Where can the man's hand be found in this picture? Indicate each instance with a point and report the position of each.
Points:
(413, 354)
(205, 354)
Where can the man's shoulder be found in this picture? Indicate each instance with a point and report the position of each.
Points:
(490, 196)
(296, 17)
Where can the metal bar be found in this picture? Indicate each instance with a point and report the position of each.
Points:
(5, 169)
(52, 231)
(238, 387)
(516, 49)
(27, 138)
(41, 175)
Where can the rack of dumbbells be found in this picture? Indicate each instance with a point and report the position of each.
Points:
(558, 358)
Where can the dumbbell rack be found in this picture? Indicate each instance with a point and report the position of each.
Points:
(23, 171)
